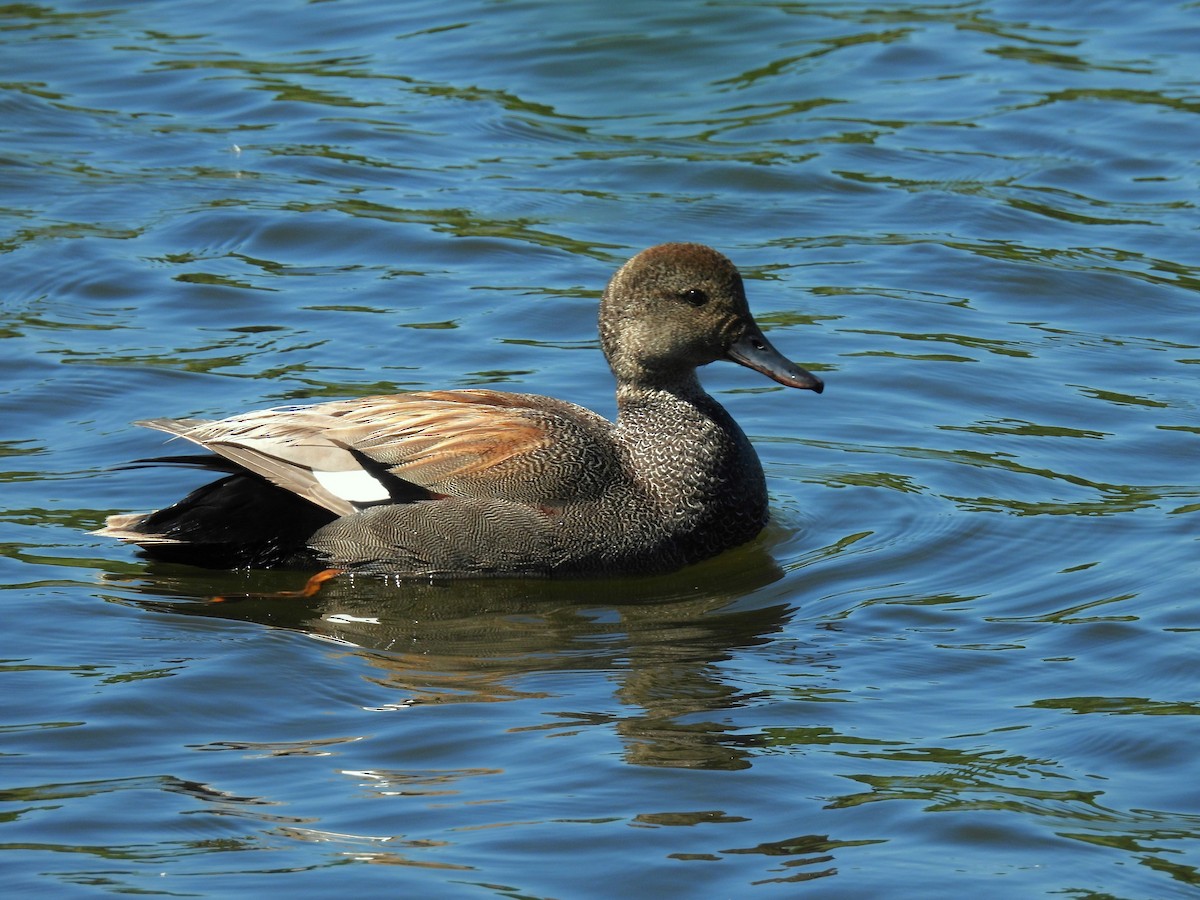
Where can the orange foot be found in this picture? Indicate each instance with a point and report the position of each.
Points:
(311, 587)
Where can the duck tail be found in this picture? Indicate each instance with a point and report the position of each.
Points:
(239, 520)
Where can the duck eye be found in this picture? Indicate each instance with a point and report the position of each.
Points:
(694, 296)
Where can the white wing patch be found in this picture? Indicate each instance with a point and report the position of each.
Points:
(356, 485)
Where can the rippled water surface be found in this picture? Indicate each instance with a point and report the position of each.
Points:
(961, 661)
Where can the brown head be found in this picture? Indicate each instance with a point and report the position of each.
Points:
(678, 306)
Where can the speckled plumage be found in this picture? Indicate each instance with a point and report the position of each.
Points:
(480, 482)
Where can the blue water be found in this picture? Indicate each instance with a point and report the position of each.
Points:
(962, 660)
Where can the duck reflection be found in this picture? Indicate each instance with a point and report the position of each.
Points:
(661, 638)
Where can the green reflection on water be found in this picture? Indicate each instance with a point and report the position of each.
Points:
(461, 222)
(1111, 499)
(1119, 706)
(1025, 429)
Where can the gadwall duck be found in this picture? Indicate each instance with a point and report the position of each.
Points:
(485, 483)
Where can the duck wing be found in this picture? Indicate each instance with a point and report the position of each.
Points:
(347, 454)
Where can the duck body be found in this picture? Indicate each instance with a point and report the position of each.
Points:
(476, 483)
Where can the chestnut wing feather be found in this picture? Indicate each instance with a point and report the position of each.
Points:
(482, 444)
(470, 443)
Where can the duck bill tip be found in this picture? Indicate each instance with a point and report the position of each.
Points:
(755, 352)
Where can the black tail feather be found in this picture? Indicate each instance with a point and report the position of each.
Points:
(208, 461)
(239, 520)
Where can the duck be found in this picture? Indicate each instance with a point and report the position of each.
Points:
(483, 483)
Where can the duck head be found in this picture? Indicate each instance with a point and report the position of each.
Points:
(675, 307)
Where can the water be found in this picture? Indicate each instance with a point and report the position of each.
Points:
(960, 661)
